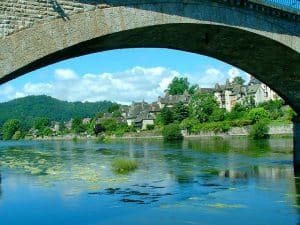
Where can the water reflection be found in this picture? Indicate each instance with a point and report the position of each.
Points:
(261, 171)
(0, 186)
(197, 176)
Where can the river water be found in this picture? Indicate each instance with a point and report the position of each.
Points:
(208, 181)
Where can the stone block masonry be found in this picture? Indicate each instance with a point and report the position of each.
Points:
(16, 15)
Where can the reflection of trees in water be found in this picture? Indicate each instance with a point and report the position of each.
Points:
(241, 145)
(0, 186)
(183, 164)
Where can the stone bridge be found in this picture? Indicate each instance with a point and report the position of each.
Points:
(261, 39)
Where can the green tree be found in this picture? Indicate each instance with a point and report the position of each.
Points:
(202, 106)
(274, 107)
(238, 111)
(166, 116)
(181, 111)
(10, 127)
(172, 132)
(258, 114)
(192, 89)
(238, 80)
(188, 123)
(41, 122)
(114, 107)
(77, 125)
(217, 115)
(178, 86)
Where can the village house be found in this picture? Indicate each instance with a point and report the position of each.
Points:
(171, 100)
(138, 114)
(229, 94)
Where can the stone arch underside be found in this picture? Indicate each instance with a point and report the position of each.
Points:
(269, 51)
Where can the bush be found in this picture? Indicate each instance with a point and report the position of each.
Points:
(259, 130)
(150, 126)
(217, 115)
(9, 128)
(216, 127)
(124, 166)
(172, 132)
(258, 114)
(188, 123)
(240, 122)
(289, 113)
(17, 135)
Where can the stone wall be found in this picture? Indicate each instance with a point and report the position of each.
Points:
(244, 131)
(16, 15)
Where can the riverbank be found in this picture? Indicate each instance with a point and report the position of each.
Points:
(274, 130)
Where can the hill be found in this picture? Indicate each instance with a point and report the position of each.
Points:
(28, 108)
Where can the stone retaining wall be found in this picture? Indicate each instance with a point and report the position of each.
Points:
(244, 131)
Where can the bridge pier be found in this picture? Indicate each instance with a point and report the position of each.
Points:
(296, 122)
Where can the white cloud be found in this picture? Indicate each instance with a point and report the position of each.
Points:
(65, 74)
(210, 77)
(35, 89)
(135, 84)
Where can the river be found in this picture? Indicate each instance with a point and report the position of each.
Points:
(207, 181)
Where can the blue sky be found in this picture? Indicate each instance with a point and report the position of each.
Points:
(120, 75)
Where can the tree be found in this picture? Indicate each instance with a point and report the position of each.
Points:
(172, 132)
(188, 123)
(202, 106)
(181, 111)
(238, 80)
(77, 126)
(41, 122)
(274, 107)
(166, 116)
(99, 128)
(238, 111)
(178, 86)
(258, 114)
(114, 107)
(10, 127)
(217, 115)
(192, 89)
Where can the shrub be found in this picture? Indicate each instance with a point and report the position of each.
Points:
(17, 135)
(289, 113)
(216, 127)
(172, 132)
(259, 130)
(258, 114)
(240, 122)
(123, 166)
(150, 126)
(9, 128)
(188, 123)
(217, 115)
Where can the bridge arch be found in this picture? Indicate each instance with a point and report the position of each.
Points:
(264, 46)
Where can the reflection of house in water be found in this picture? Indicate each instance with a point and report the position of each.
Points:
(259, 171)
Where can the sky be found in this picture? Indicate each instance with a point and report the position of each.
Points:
(122, 76)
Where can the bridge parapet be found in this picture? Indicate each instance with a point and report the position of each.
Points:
(19, 15)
